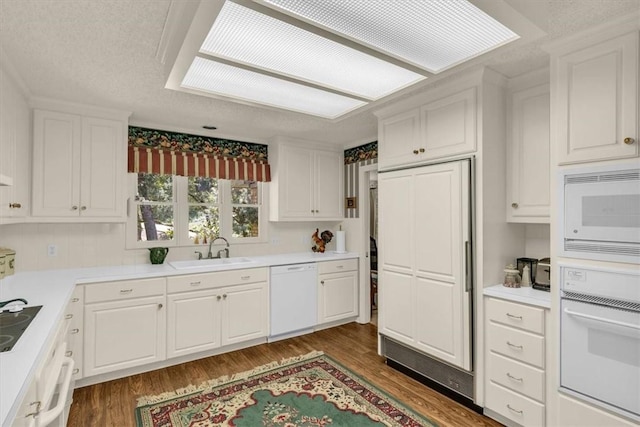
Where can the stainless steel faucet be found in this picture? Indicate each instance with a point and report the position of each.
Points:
(225, 250)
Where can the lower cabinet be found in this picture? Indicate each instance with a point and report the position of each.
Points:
(211, 310)
(515, 362)
(337, 290)
(124, 325)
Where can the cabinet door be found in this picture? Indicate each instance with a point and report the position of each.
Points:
(448, 125)
(102, 167)
(337, 296)
(15, 158)
(124, 334)
(56, 164)
(296, 186)
(399, 139)
(598, 101)
(528, 157)
(244, 313)
(328, 185)
(193, 322)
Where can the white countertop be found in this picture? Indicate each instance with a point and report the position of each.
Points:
(52, 289)
(526, 295)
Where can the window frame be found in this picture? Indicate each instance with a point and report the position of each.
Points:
(181, 215)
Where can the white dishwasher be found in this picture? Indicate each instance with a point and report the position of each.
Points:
(293, 299)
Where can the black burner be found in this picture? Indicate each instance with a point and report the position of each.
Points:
(12, 325)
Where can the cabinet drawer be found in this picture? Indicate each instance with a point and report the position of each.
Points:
(125, 289)
(516, 315)
(519, 345)
(219, 279)
(337, 266)
(515, 407)
(516, 376)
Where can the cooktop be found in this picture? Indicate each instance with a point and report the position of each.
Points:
(13, 325)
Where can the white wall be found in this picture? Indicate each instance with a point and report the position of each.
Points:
(90, 245)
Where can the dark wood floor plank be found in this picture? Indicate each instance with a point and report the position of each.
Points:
(353, 345)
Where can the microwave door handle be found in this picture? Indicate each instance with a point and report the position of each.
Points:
(600, 319)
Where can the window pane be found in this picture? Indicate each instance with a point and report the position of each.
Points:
(245, 222)
(244, 192)
(155, 188)
(155, 222)
(203, 221)
(203, 190)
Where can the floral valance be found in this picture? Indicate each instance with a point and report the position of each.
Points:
(163, 152)
(361, 152)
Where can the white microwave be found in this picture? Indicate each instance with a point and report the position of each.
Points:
(600, 213)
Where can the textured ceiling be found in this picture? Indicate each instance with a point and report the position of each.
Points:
(103, 52)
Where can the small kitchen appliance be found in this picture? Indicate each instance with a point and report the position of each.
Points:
(543, 275)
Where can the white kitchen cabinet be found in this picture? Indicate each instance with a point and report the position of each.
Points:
(442, 125)
(421, 279)
(211, 310)
(528, 162)
(306, 184)
(79, 167)
(596, 95)
(15, 151)
(515, 360)
(124, 325)
(337, 291)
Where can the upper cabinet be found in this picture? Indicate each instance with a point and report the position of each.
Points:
(306, 183)
(596, 96)
(15, 151)
(79, 165)
(528, 116)
(439, 126)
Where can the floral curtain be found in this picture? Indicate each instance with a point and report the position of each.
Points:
(172, 153)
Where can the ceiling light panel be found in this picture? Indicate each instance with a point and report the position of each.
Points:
(243, 35)
(434, 35)
(226, 80)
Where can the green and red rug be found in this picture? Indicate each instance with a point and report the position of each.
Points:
(307, 391)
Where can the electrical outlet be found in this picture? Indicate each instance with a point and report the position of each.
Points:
(52, 250)
(275, 240)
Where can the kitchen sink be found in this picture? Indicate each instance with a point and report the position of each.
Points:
(204, 263)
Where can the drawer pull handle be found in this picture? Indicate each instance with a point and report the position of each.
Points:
(245, 277)
(514, 378)
(519, 347)
(75, 371)
(339, 266)
(514, 410)
(75, 331)
(69, 353)
(195, 283)
(34, 414)
(68, 316)
(126, 291)
(513, 316)
(75, 299)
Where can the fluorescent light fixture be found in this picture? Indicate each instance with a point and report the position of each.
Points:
(246, 36)
(222, 79)
(432, 34)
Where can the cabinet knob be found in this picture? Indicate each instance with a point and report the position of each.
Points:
(322, 282)
(74, 208)
(69, 353)
(514, 205)
(15, 205)
(84, 208)
(629, 141)
(224, 296)
(160, 306)
(415, 151)
(218, 297)
(422, 150)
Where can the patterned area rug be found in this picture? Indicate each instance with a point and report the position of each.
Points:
(306, 391)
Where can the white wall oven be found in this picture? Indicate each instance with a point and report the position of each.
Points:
(600, 337)
(601, 213)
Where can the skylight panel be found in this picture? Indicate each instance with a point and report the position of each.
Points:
(243, 35)
(226, 80)
(434, 35)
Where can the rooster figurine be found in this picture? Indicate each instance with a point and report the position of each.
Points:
(321, 241)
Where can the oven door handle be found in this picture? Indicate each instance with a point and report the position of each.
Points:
(600, 319)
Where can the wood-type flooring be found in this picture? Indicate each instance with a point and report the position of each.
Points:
(353, 345)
